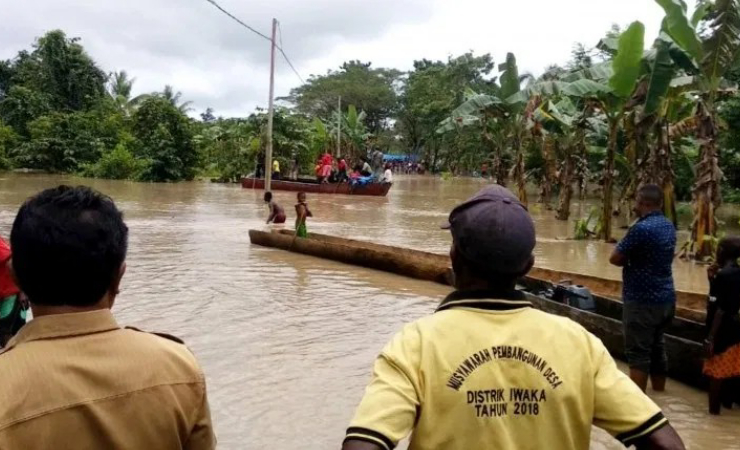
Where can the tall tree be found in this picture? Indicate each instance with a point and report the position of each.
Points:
(174, 98)
(713, 53)
(372, 90)
(165, 139)
(433, 89)
(120, 87)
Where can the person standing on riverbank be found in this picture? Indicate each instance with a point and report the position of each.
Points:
(723, 326)
(277, 213)
(72, 378)
(12, 307)
(302, 213)
(487, 370)
(649, 296)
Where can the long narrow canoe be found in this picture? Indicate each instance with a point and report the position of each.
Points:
(313, 187)
(683, 341)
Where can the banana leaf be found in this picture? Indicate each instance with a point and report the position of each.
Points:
(475, 104)
(509, 77)
(721, 48)
(627, 62)
(543, 88)
(661, 76)
(677, 25)
(599, 72)
(586, 88)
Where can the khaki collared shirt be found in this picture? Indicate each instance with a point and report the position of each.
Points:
(79, 381)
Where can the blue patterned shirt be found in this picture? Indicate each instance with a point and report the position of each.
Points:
(649, 248)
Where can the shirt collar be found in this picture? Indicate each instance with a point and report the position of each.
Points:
(65, 325)
(652, 214)
(485, 299)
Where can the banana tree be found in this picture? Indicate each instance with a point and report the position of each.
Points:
(503, 121)
(713, 53)
(566, 125)
(354, 132)
(612, 98)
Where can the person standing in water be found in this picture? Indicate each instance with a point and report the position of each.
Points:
(646, 257)
(302, 213)
(277, 213)
(723, 326)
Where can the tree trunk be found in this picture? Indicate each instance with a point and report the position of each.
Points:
(566, 186)
(606, 211)
(519, 172)
(663, 157)
(706, 193)
(498, 166)
(548, 171)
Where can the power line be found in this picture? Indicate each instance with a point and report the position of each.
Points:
(279, 47)
(282, 52)
(237, 20)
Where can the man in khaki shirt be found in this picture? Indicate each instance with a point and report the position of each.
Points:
(72, 378)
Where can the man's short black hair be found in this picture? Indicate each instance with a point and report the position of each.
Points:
(728, 250)
(68, 246)
(651, 194)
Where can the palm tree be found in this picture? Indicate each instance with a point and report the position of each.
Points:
(119, 88)
(174, 98)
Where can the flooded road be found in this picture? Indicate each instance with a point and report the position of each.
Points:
(287, 341)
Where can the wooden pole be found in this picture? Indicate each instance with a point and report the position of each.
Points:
(270, 112)
(339, 126)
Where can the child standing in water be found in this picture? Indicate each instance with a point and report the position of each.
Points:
(723, 326)
(302, 212)
(277, 213)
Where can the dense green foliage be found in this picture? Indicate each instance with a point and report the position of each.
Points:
(59, 112)
(371, 90)
(612, 118)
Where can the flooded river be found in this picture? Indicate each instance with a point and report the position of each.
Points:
(287, 341)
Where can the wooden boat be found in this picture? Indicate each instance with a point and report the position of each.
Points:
(314, 187)
(683, 340)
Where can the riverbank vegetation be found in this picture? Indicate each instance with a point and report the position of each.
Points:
(617, 115)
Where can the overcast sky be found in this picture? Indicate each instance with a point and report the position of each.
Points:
(215, 62)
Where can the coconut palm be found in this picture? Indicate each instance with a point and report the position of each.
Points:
(120, 87)
(173, 97)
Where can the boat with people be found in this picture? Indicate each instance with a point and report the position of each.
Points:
(588, 300)
(315, 187)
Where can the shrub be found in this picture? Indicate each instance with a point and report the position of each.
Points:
(119, 164)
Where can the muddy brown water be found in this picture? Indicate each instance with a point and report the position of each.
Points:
(287, 341)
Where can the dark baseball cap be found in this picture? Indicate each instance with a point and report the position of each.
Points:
(493, 229)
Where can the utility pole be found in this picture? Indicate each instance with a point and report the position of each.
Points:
(270, 112)
(339, 127)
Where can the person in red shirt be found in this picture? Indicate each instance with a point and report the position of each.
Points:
(12, 308)
(342, 168)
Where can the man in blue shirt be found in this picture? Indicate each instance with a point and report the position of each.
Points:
(646, 256)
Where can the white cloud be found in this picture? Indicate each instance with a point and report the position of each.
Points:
(215, 62)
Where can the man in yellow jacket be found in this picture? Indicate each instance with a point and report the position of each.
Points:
(488, 371)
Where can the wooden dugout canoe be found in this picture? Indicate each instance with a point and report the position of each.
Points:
(683, 339)
(314, 187)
